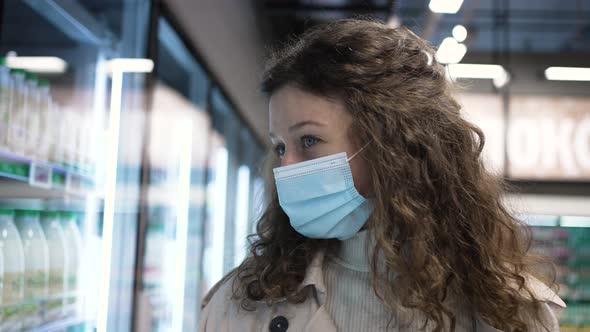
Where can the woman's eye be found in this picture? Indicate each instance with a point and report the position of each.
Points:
(308, 141)
(280, 149)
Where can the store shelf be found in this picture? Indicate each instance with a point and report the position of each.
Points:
(74, 21)
(23, 177)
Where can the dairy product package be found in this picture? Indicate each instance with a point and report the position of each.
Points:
(33, 116)
(73, 245)
(47, 131)
(17, 134)
(6, 95)
(58, 263)
(36, 274)
(13, 267)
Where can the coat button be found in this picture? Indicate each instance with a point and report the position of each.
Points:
(278, 324)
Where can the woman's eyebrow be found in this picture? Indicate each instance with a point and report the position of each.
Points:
(298, 126)
(305, 123)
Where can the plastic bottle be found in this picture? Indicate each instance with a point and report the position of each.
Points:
(6, 95)
(58, 263)
(11, 251)
(36, 266)
(33, 113)
(17, 135)
(46, 136)
(58, 134)
(73, 241)
(68, 136)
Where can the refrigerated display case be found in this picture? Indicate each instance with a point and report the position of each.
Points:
(566, 241)
(66, 191)
(198, 187)
(108, 218)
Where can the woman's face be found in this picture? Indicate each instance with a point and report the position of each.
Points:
(304, 126)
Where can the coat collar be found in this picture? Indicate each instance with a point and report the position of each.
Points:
(314, 276)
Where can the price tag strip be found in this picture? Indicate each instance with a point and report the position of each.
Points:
(40, 175)
(74, 183)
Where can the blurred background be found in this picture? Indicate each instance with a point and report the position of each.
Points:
(132, 134)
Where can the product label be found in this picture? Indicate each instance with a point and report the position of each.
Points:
(35, 284)
(12, 294)
(73, 183)
(56, 289)
(59, 180)
(40, 175)
(20, 170)
(55, 300)
(56, 281)
(72, 288)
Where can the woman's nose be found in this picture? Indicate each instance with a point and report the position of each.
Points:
(290, 158)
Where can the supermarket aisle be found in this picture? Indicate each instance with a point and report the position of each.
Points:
(133, 135)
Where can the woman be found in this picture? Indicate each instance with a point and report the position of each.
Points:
(381, 215)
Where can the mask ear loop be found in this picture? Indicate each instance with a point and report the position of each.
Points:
(359, 151)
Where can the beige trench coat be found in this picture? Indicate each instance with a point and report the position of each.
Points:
(223, 314)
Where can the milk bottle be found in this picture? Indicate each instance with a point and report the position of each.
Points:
(11, 294)
(32, 119)
(36, 275)
(46, 129)
(6, 93)
(17, 135)
(58, 261)
(73, 241)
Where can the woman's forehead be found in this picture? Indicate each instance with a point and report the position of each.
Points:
(290, 105)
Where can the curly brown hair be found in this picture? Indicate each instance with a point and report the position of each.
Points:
(438, 221)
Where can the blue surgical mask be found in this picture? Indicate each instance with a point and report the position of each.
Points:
(320, 198)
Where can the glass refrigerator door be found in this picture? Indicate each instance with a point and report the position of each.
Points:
(70, 157)
(175, 202)
(170, 246)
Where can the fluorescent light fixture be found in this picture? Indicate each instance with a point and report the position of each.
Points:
(567, 73)
(445, 6)
(109, 201)
(394, 21)
(130, 65)
(501, 80)
(450, 51)
(542, 220)
(38, 64)
(496, 73)
(459, 33)
(218, 247)
(575, 221)
(182, 219)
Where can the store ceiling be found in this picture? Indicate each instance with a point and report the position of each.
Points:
(540, 26)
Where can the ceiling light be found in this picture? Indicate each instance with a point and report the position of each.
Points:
(459, 33)
(502, 79)
(38, 64)
(130, 65)
(574, 221)
(567, 74)
(394, 22)
(450, 51)
(445, 6)
(496, 73)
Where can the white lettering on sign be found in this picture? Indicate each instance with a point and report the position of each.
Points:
(543, 144)
(548, 137)
(525, 145)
